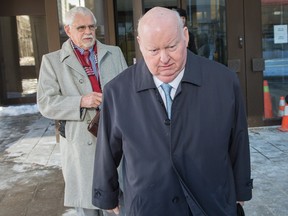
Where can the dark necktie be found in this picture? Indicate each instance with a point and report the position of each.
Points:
(167, 89)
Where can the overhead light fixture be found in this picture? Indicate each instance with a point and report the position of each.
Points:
(277, 13)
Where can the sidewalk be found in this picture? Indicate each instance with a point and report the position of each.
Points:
(36, 156)
(269, 160)
(38, 146)
(31, 181)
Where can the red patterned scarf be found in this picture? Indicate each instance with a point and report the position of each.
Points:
(86, 63)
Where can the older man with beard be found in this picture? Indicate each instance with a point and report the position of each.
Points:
(70, 90)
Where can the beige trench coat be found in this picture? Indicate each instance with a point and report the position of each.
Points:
(62, 82)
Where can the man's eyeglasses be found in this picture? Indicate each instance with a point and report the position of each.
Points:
(82, 28)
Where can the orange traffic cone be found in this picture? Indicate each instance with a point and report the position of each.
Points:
(281, 106)
(284, 126)
(267, 101)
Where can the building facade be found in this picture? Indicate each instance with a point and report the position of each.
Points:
(249, 36)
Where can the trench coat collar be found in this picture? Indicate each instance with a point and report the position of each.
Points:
(192, 74)
(67, 55)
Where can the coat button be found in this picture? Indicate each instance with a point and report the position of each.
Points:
(167, 121)
(175, 199)
(81, 81)
(90, 143)
(250, 183)
(97, 193)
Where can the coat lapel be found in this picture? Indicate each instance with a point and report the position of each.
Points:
(143, 77)
(101, 49)
(192, 73)
(68, 57)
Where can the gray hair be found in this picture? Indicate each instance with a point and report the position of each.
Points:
(180, 22)
(70, 15)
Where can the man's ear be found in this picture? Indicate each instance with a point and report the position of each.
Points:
(67, 30)
(139, 42)
(186, 35)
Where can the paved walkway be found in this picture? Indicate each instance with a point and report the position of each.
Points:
(269, 160)
(37, 146)
(31, 181)
(38, 150)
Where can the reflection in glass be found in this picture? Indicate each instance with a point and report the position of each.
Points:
(125, 30)
(26, 56)
(275, 50)
(207, 21)
(25, 41)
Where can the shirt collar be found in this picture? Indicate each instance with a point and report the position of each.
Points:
(81, 50)
(175, 83)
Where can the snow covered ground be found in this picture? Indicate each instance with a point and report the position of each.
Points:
(18, 110)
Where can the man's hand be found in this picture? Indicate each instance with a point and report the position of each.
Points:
(91, 100)
(115, 210)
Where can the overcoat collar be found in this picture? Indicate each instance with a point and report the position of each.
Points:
(192, 74)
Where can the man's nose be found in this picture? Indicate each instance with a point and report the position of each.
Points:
(164, 56)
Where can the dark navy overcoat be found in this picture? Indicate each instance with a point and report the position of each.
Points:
(198, 160)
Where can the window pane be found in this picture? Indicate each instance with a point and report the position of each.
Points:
(275, 53)
(206, 19)
(125, 29)
(26, 58)
(25, 41)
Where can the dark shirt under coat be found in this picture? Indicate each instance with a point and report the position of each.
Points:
(202, 153)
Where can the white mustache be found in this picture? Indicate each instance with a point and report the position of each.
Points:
(88, 37)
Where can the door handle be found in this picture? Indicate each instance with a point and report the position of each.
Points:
(258, 64)
(241, 41)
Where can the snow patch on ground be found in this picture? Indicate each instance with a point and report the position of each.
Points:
(19, 174)
(70, 212)
(18, 110)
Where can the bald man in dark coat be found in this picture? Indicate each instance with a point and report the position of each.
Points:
(191, 158)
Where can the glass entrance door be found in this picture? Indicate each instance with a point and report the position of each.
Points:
(275, 53)
(231, 30)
